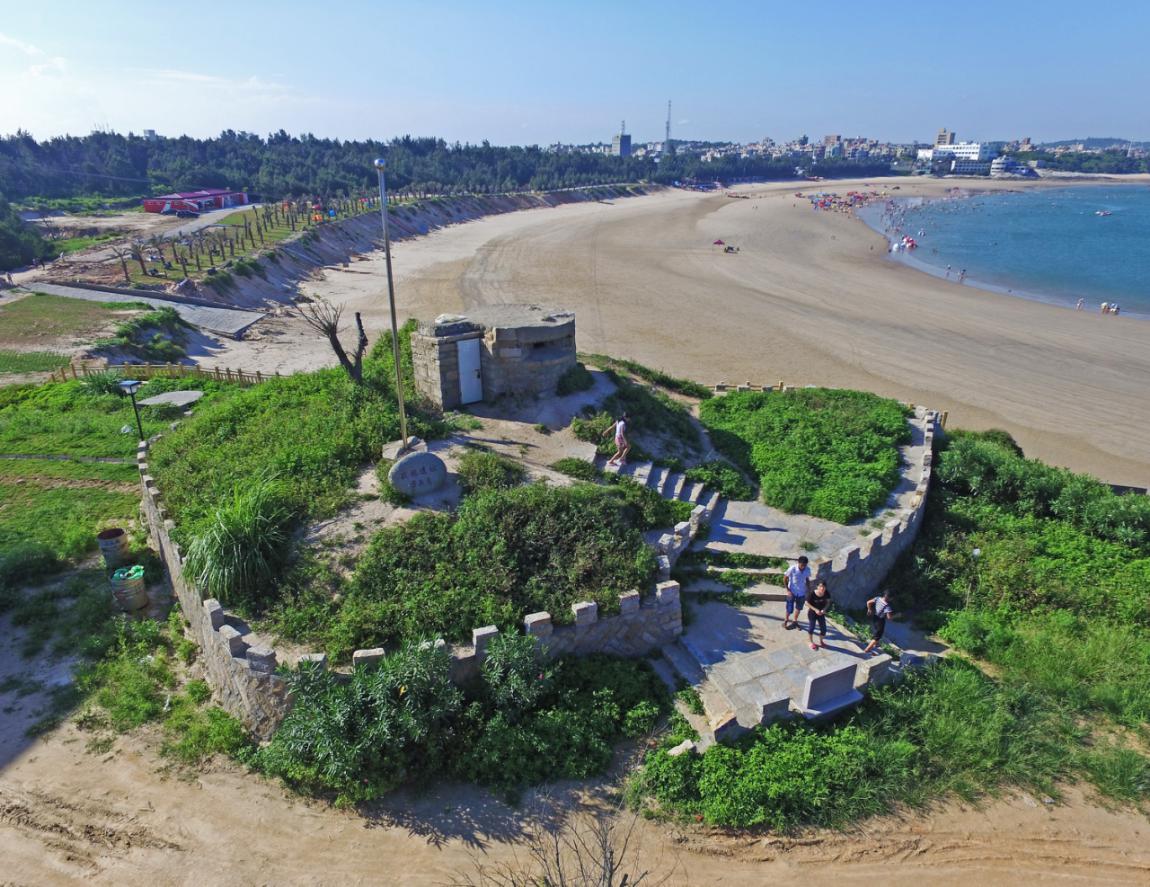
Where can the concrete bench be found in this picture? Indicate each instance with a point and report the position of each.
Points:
(830, 691)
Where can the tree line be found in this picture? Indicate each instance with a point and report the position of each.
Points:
(1111, 162)
(282, 165)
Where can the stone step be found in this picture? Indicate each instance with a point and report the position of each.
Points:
(641, 471)
(693, 491)
(744, 701)
(716, 704)
(673, 486)
(656, 478)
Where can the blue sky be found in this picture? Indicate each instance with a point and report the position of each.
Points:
(537, 73)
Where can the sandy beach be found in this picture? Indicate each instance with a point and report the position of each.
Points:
(811, 298)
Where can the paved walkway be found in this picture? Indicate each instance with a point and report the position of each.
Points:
(223, 321)
(746, 660)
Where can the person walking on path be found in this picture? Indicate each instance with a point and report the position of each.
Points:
(879, 610)
(817, 606)
(621, 445)
(798, 580)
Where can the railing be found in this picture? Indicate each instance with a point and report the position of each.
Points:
(164, 371)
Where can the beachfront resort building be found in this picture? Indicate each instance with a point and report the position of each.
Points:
(945, 137)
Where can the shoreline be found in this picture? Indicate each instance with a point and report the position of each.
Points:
(811, 298)
(871, 216)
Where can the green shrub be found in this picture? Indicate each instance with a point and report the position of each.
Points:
(196, 734)
(103, 382)
(238, 553)
(830, 453)
(578, 469)
(25, 562)
(361, 738)
(514, 674)
(724, 478)
(505, 554)
(578, 378)
(482, 470)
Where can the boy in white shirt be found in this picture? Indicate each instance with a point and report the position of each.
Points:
(798, 580)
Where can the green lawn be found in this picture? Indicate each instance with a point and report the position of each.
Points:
(40, 319)
(826, 452)
(75, 244)
(63, 517)
(31, 361)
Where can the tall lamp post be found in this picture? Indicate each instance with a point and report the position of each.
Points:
(379, 167)
(130, 387)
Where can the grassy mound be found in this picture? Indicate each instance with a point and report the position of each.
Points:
(829, 453)
(507, 553)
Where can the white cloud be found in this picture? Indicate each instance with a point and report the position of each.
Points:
(249, 85)
(26, 48)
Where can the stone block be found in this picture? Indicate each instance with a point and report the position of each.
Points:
(586, 613)
(368, 658)
(262, 659)
(480, 638)
(666, 544)
(215, 613)
(667, 593)
(538, 625)
(683, 529)
(830, 691)
(664, 564)
(683, 748)
(698, 515)
(775, 709)
(233, 640)
(727, 728)
(147, 480)
(629, 602)
(877, 670)
(317, 661)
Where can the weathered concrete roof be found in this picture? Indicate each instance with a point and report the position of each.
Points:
(488, 317)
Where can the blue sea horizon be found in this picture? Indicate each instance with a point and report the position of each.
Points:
(1049, 244)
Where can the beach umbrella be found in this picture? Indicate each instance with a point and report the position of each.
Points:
(718, 243)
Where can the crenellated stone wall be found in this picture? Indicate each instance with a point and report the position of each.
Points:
(241, 674)
(857, 571)
(242, 671)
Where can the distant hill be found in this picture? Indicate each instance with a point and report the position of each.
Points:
(1093, 142)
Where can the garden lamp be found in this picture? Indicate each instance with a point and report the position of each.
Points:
(130, 387)
(379, 167)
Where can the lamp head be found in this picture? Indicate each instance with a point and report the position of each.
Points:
(130, 386)
(379, 163)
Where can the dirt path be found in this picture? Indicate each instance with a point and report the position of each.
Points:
(67, 816)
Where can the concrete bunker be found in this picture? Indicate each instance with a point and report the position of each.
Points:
(493, 351)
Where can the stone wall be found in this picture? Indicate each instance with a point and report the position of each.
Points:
(241, 670)
(857, 571)
(242, 674)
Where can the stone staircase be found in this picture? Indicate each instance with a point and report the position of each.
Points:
(667, 483)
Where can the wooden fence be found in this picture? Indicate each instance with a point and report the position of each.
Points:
(163, 371)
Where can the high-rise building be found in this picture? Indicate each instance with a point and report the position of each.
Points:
(944, 137)
(621, 143)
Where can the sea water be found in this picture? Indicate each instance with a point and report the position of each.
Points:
(1044, 243)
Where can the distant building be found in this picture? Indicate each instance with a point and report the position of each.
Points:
(978, 151)
(621, 144)
(150, 135)
(944, 137)
(195, 201)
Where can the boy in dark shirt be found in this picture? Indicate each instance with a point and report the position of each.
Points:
(817, 605)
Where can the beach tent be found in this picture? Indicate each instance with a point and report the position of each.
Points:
(718, 243)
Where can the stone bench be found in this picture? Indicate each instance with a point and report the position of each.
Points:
(830, 691)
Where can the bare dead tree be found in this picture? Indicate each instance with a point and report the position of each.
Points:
(324, 318)
(121, 254)
(588, 850)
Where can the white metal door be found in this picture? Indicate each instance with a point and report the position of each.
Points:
(470, 375)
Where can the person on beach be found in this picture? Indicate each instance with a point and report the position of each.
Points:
(798, 580)
(817, 608)
(879, 610)
(1080, 305)
(621, 445)
(1105, 307)
(962, 275)
(948, 272)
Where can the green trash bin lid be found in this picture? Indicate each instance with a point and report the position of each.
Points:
(136, 572)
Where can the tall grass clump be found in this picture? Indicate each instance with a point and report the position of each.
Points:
(826, 452)
(237, 553)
